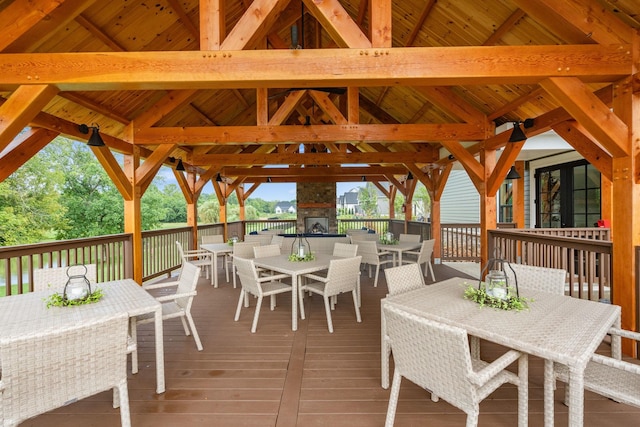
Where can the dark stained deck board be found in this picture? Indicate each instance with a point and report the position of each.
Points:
(276, 377)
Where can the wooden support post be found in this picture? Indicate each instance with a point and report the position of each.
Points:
(487, 204)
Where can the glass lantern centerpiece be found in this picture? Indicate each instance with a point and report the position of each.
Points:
(496, 281)
(78, 286)
(233, 239)
(388, 239)
(300, 249)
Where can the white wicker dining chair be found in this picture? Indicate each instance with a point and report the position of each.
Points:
(54, 368)
(400, 279)
(342, 276)
(345, 250)
(252, 283)
(552, 280)
(241, 250)
(610, 377)
(212, 239)
(422, 257)
(55, 278)
(436, 356)
(410, 238)
(177, 303)
(201, 258)
(371, 256)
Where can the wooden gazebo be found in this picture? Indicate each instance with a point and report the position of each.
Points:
(229, 86)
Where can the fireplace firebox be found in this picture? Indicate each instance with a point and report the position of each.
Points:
(316, 225)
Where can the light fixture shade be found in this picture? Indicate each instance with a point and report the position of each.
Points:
(95, 140)
(513, 173)
(517, 134)
(363, 179)
(180, 166)
(409, 176)
(218, 178)
(268, 179)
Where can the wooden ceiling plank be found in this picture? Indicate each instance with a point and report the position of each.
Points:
(380, 23)
(99, 34)
(292, 158)
(114, 171)
(172, 100)
(22, 106)
(510, 106)
(288, 105)
(212, 24)
(26, 25)
(442, 66)
(373, 109)
(93, 106)
(426, 11)
(589, 17)
(338, 23)
(24, 147)
(505, 27)
(254, 24)
(313, 171)
(447, 100)
(323, 101)
(590, 112)
(279, 134)
(571, 132)
(176, 5)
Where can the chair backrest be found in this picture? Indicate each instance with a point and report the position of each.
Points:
(263, 239)
(265, 251)
(48, 370)
(342, 275)
(248, 276)
(345, 250)
(409, 238)
(369, 252)
(545, 279)
(426, 250)
(189, 275)
(277, 240)
(56, 278)
(359, 237)
(404, 278)
(215, 238)
(244, 249)
(352, 231)
(180, 250)
(433, 355)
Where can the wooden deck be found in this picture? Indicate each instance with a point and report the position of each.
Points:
(276, 377)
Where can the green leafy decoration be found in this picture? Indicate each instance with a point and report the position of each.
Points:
(481, 297)
(58, 300)
(297, 258)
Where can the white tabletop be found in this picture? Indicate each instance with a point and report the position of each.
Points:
(399, 248)
(555, 327)
(27, 314)
(215, 249)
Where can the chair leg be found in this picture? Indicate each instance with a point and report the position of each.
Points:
(273, 302)
(523, 390)
(300, 302)
(194, 331)
(257, 315)
(125, 413)
(133, 331)
(393, 399)
(233, 273)
(240, 300)
(187, 332)
(355, 305)
(327, 309)
(375, 281)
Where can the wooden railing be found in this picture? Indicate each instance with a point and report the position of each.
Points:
(461, 242)
(111, 254)
(285, 226)
(587, 259)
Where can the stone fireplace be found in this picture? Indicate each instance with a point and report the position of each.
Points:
(316, 204)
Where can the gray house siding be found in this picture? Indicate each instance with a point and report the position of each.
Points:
(460, 202)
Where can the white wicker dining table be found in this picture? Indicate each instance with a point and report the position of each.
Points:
(399, 248)
(216, 249)
(558, 328)
(27, 314)
(296, 269)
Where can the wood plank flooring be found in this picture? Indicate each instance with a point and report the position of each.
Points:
(277, 377)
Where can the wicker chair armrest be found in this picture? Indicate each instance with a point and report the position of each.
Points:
(615, 363)
(272, 277)
(625, 333)
(172, 297)
(384, 253)
(198, 254)
(160, 285)
(412, 253)
(316, 278)
(482, 377)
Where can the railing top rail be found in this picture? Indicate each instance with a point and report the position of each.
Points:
(603, 246)
(39, 248)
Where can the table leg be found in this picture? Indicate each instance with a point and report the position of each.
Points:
(215, 269)
(294, 303)
(159, 351)
(576, 397)
(549, 382)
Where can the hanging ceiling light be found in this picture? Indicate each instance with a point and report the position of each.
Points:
(95, 140)
(409, 176)
(180, 166)
(218, 178)
(513, 173)
(268, 179)
(363, 179)
(517, 134)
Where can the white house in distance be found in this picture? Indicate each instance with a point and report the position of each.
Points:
(285, 207)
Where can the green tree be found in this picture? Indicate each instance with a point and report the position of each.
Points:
(30, 208)
(174, 203)
(368, 199)
(423, 200)
(208, 209)
(153, 208)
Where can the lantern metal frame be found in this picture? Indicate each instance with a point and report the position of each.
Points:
(500, 264)
(295, 249)
(77, 277)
